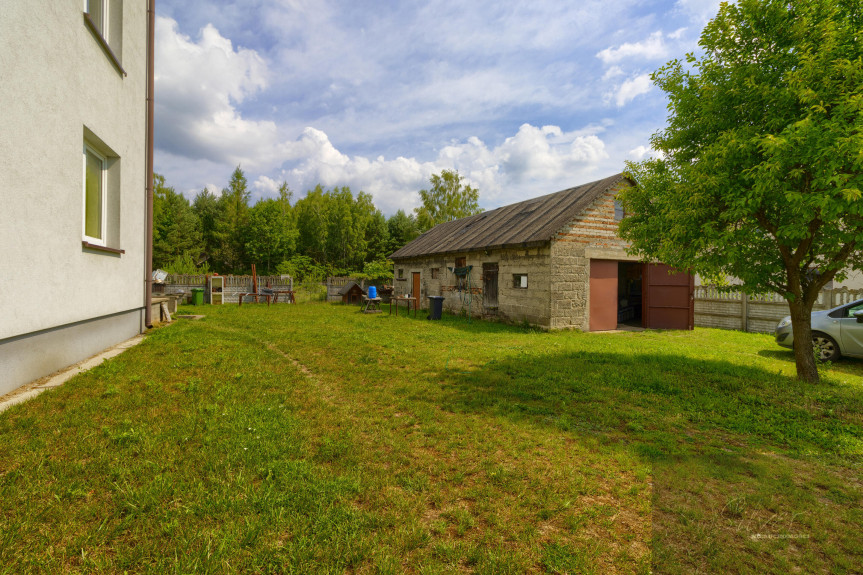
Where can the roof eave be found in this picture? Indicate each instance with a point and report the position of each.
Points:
(524, 245)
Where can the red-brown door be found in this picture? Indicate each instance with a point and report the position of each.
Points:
(603, 295)
(668, 298)
(416, 292)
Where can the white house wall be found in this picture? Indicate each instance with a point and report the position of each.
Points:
(57, 85)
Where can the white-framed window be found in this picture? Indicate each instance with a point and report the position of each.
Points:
(98, 12)
(519, 281)
(95, 196)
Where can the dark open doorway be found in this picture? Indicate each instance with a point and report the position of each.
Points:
(629, 293)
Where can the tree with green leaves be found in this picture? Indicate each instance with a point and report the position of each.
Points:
(231, 225)
(446, 200)
(760, 168)
(381, 269)
(312, 224)
(206, 208)
(402, 229)
(176, 229)
(271, 234)
(337, 229)
(377, 236)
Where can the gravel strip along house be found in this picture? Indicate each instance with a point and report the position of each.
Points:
(554, 261)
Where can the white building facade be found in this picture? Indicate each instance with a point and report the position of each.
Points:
(73, 148)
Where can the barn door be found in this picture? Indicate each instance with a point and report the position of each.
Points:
(668, 298)
(603, 295)
(489, 285)
(416, 288)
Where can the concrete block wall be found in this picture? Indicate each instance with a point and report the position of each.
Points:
(734, 310)
(569, 283)
(531, 304)
(514, 304)
(720, 313)
(592, 234)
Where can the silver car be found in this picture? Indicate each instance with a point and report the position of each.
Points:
(835, 332)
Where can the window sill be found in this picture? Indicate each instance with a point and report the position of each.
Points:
(105, 47)
(89, 246)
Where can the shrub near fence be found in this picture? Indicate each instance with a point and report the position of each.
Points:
(234, 285)
(758, 313)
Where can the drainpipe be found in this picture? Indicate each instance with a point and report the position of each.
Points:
(148, 223)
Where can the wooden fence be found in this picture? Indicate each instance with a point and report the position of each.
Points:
(234, 285)
(759, 313)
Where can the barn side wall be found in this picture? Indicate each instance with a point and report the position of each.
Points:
(515, 304)
(590, 235)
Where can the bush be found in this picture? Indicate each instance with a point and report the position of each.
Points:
(377, 270)
(185, 265)
(302, 269)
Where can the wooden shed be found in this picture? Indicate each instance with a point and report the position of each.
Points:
(352, 293)
(554, 261)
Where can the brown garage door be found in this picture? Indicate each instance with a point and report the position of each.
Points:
(603, 295)
(668, 298)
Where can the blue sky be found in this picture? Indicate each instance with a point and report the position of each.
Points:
(523, 98)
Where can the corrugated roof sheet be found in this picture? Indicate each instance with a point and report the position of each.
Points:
(528, 222)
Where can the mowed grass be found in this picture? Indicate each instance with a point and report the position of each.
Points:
(316, 439)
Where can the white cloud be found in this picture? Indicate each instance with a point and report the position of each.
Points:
(266, 186)
(651, 49)
(698, 11)
(639, 153)
(612, 73)
(678, 34)
(630, 89)
(199, 85)
(533, 161)
(315, 91)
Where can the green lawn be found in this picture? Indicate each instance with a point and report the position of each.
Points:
(316, 439)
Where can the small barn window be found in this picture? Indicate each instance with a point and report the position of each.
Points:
(401, 274)
(434, 273)
(519, 281)
(460, 262)
(619, 213)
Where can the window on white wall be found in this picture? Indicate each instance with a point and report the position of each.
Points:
(98, 12)
(101, 201)
(95, 196)
(104, 18)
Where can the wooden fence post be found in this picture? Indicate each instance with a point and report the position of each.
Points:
(744, 311)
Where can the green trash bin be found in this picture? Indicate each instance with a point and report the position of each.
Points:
(197, 296)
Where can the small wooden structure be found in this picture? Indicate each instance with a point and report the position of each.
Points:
(352, 293)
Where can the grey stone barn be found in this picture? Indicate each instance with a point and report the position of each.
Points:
(554, 261)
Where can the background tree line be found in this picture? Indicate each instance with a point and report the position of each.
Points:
(327, 232)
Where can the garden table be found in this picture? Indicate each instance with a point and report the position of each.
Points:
(408, 301)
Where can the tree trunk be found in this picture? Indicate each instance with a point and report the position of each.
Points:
(801, 324)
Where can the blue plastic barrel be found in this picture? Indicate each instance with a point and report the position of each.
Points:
(373, 292)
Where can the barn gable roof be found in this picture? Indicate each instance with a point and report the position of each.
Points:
(529, 222)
